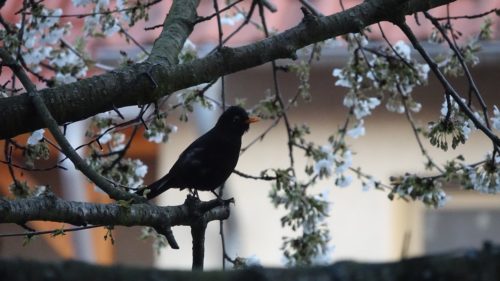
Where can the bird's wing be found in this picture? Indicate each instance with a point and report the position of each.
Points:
(203, 164)
(192, 157)
(191, 163)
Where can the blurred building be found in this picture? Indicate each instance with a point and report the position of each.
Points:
(364, 225)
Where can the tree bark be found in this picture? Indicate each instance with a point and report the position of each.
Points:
(198, 234)
(470, 265)
(47, 207)
(146, 82)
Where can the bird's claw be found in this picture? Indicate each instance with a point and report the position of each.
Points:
(193, 202)
(219, 198)
(193, 193)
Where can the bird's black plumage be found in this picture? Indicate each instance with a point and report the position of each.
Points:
(207, 162)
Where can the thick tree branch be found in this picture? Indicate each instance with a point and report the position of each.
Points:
(464, 266)
(178, 25)
(198, 234)
(47, 207)
(135, 85)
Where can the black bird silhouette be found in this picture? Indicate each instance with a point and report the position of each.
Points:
(207, 162)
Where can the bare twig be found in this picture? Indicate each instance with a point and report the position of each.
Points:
(480, 15)
(446, 85)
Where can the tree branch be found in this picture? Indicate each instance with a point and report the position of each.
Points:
(178, 25)
(134, 85)
(198, 233)
(459, 265)
(47, 207)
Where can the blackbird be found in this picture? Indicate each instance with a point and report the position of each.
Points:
(207, 162)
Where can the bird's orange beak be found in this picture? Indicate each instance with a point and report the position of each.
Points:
(252, 119)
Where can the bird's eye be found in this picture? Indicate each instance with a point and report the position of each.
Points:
(236, 119)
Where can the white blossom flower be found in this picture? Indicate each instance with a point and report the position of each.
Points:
(118, 147)
(466, 130)
(140, 170)
(325, 194)
(371, 75)
(441, 198)
(423, 71)
(357, 131)
(403, 49)
(327, 150)
(118, 137)
(102, 4)
(36, 137)
(323, 167)
(395, 105)
(345, 162)
(324, 257)
(105, 138)
(342, 80)
(91, 24)
(155, 136)
(30, 37)
(364, 107)
(416, 107)
(39, 190)
(444, 107)
(232, 20)
(65, 78)
(373, 102)
(253, 260)
(66, 58)
(111, 28)
(134, 183)
(363, 41)
(369, 184)
(36, 55)
(337, 72)
(405, 88)
(82, 72)
(343, 181)
(121, 5)
(53, 36)
(50, 19)
(495, 120)
(189, 45)
(349, 100)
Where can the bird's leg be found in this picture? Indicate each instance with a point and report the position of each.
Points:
(194, 193)
(193, 202)
(217, 195)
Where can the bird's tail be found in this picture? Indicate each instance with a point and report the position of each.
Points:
(154, 189)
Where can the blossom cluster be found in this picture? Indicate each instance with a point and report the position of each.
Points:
(390, 72)
(42, 34)
(426, 189)
(483, 177)
(332, 163)
(452, 123)
(158, 129)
